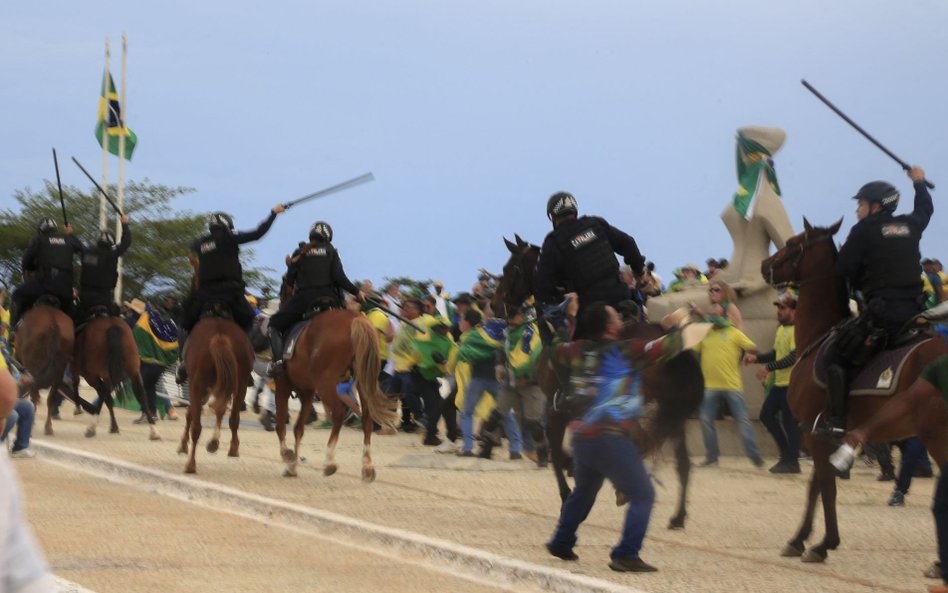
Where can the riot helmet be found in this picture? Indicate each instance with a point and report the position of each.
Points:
(106, 238)
(47, 226)
(560, 204)
(220, 221)
(879, 192)
(320, 231)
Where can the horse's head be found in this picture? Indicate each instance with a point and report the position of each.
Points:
(807, 256)
(516, 284)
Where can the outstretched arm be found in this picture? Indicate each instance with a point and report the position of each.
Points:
(260, 231)
(625, 245)
(126, 241)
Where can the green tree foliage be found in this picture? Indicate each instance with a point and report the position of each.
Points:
(161, 236)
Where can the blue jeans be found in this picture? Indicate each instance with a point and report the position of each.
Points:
(616, 458)
(776, 416)
(738, 407)
(940, 511)
(475, 390)
(21, 416)
(914, 456)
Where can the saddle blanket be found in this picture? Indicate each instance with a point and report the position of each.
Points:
(291, 339)
(879, 377)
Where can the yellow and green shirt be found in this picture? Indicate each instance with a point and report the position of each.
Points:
(721, 353)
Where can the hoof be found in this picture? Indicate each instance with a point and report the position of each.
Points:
(676, 523)
(289, 473)
(154, 436)
(48, 431)
(90, 432)
(233, 453)
(288, 455)
(330, 469)
(183, 450)
(813, 556)
(368, 474)
(114, 430)
(791, 551)
(190, 469)
(212, 446)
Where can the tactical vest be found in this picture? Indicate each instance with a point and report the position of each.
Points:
(315, 267)
(54, 258)
(588, 257)
(99, 269)
(891, 268)
(219, 260)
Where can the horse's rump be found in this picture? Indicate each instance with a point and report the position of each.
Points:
(225, 367)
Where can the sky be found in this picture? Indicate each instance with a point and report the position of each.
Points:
(471, 114)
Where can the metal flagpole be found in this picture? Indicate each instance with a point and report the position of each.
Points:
(105, 138)
(121, 167)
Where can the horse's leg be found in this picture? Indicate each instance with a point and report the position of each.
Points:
(282, 397)
(220, 406)
(796, 546)
(183, 446)
(138, 388)
(96, 409)
(337, 410)
(368, 470)
(306, 406)
(50, 396)
(683, 468)
(555, 431)
(198, 389)
(75, 393)
(235, 422)
(825, 474)
(110, 404)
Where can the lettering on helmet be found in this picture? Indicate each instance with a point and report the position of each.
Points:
(316, 251)
(583, 239)
(896, 230)
(57, 241)
(208, 246)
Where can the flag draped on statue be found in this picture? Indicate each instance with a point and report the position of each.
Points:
(110, 118)
(754, 167)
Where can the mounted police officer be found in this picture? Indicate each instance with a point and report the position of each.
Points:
(99, 273)
(880, 260)
(50, 258)
(316, 275)
(220, 275)
(578, 255)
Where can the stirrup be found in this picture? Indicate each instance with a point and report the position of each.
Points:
(825, 428)
(275, 368)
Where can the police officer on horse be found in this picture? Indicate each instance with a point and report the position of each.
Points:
(880, 260)
(578, 255)
(50, 258)
(99, 273)
(220, 275)
(316, 275)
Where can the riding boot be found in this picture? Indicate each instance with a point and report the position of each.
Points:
(488, 436)
(275, 368)
(837, 387)
(535, 428)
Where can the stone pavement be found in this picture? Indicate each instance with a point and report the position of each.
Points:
(739, 519)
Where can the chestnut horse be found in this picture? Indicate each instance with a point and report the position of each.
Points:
(44, 346)
(219, 359)
(808, 261)
(105, 355)
(331, 345)
(677, 386)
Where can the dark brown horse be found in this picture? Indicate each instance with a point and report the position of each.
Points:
(808, 261)
(333, 344)
(219, 359)
(677, 386)
(44, 346)
(105, 355)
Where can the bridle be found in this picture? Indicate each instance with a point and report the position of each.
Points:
(796, 254)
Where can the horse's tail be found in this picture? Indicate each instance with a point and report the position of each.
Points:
(54, 356)
(115, 358)
(225, 366)
(366, 366)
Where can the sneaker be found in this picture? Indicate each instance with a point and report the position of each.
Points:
(23, 454)
(268, 420)
(885, 476)
(933, 571)
(631, 565)
(446, 447)
(56, 416)
(408, 427)
(897, 499)
(758, 462)
(708, 463)
(532, 456)
(568, 555)
(465, 453)
(515, 456)
(431, 441)
(923, 472)
(143, 419)
(172, 414)
(784, 467)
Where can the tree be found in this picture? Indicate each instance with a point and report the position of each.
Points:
(161, 236)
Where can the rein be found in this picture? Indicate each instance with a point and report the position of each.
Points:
(796, 255)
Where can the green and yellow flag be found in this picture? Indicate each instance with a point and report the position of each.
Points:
(110, 118)
(752, 160)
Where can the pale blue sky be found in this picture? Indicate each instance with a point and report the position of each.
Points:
(470, 114)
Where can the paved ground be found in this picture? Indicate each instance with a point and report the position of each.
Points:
(110, 536)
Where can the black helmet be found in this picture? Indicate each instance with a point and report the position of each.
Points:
(220, 220)
(320, 230)
(47, 225)
(561, 203)
(879, 192)
(106, 238)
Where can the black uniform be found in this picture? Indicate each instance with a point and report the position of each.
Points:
(50, 256)
(220, 275)
(578, 255)
(99, 274)
(316, 273)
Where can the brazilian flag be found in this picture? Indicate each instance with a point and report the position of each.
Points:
(156, 338)
(753, 168)
(110, 118)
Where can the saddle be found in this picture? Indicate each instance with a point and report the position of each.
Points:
(291, 337)
(880, 375)
(49, 301)
(218, 309)
(97, 312)
(318, 306)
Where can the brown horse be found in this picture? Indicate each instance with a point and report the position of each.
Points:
(333, 344)
(807, 261)
(677, 386)
(219, 359)
(44, 346)
(105, 355)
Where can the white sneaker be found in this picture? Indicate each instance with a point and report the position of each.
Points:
(23, 454)
(446, 446)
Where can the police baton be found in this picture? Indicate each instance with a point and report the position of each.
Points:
(331, 190)
(60, 184)
(388, 311)
(868, 137)
(99, 187)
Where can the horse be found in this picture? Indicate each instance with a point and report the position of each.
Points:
(219, 359)
(807, 261)
(677, 387)
(105, 355)
(332, 344)
(44, 346)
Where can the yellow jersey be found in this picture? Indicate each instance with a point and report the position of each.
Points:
(721, 353)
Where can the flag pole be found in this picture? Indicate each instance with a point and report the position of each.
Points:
(105, 138)
(121, 166)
